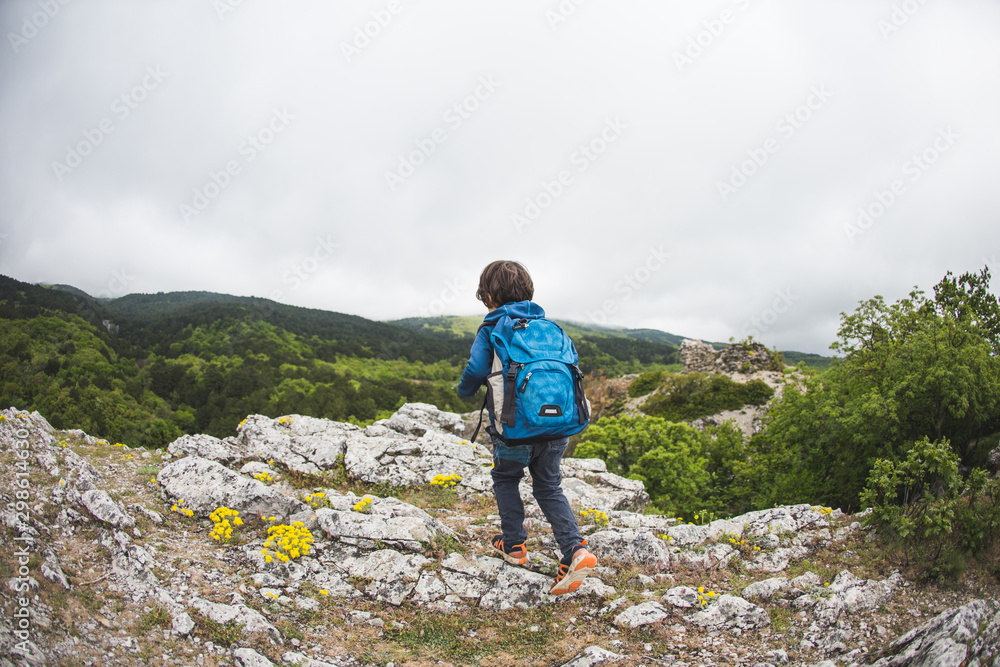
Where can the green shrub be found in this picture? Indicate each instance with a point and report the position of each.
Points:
(645, 383)
(923, 505)
(695, 395)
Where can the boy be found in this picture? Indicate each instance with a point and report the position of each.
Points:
(505, 288)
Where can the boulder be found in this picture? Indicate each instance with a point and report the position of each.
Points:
(206, 485)
(518, 588)
(849, 593)
(387, 520)
(630, 546)
(767, 589)
(645, 613)
(386, 575)
(731, 613)
(103, 508)
(130, 563)
(247, 657)
(249, 619)
(684, 597)
(205, 446)
(965, 635)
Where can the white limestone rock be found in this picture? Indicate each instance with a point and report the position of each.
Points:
(303, 444)
(52, 571)
(713, 556)
(731, 613)
(250, 619)
(206, 447)
(850, 593)
(638, 615)
(389, 575)
(517, 588)
(966, 635)
(247, 657)
(767, 589)
(130, 563)
(684, 597)
(102, 507)
(206, 485)
(390, 521)
(593, 655)
(629, 546)
(777, 560)
(182, 623)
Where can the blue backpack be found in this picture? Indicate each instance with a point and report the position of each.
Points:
(535, 389)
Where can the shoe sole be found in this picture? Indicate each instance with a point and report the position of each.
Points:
(580, 569)
(512, 559)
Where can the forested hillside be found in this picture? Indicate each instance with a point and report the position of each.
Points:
(145, 368)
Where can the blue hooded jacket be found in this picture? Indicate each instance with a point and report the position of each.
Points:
(481, 357)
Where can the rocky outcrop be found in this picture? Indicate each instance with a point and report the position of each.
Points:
(967, 635)
(118, 574)
(701, 357)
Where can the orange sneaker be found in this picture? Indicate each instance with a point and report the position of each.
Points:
(515, 555)
(573, 569)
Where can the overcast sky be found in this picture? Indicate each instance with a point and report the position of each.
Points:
(693, 166)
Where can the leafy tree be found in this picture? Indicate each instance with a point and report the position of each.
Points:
(684, 470)
(920, 367)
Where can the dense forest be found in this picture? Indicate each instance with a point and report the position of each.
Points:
(143, 369)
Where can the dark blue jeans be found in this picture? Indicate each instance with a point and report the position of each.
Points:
(542, 460)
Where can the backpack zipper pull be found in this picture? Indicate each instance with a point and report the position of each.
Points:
(524, 383)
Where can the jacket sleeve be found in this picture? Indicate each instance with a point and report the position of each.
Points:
(480, 363)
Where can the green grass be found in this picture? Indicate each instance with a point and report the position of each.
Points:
(224, 634)
(781, 618)
(157, 617)
(448, 636)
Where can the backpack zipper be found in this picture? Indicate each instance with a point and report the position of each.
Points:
(524, 383)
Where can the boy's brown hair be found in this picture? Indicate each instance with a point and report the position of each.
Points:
(503, 282)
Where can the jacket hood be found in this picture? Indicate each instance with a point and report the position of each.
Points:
(516, 309)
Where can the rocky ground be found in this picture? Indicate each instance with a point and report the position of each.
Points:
(370, 547)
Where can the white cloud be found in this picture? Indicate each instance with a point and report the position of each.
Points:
(397, 253)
